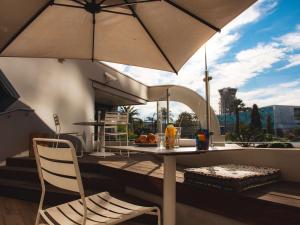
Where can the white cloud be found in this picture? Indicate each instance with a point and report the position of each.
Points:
(291, 40)
(259, 9)
(271, 95)
(218, 46)
(246, 65)
(150, 109)
(294, 60)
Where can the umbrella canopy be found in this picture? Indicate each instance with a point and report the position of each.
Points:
(158, 34)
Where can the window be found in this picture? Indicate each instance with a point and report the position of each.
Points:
(296, 113)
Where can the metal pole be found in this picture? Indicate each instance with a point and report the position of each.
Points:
(169, 190)
(159, 118)
(168, 106)
(207, 91)
(225, 111)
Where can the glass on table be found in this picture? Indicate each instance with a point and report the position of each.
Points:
(160, 138)
(177, 137)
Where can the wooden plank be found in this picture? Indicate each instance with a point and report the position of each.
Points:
(285, 187)
(144, 167)
(67, 169)
(2, 199)
(280, 199)
(61, 182)
(92, 207)
(55, 153)
(27, 215)
(11, 213)
(28, 211)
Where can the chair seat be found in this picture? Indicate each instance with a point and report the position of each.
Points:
(116, 134)
(101, 209)
(69, 133)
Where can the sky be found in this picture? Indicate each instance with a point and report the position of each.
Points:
(258, 53)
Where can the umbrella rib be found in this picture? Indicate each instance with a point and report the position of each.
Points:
(78, 2)
(129, 3)
(101, 2)
(65, 5)
(93, 41)
(109, 11)
(42, 9)
(194, 16)
(152, 38)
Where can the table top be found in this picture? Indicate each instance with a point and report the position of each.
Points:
(159, 150)
(90, 123)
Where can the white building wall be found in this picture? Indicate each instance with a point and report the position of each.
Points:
(48, 87)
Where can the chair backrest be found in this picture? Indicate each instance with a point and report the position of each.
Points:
(56, 120)
(58, 165)
(116, 118)
(57, 123)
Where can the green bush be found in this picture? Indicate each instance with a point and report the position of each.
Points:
(276, 145)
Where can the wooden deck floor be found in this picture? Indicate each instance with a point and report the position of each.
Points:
(273, 204)
(18, 212)
(137, 163)
(269, 205)
(283, 193)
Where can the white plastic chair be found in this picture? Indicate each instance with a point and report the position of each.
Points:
(113, 121)
(59, 167)
(58, 133)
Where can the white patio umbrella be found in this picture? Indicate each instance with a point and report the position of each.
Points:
(147, 33)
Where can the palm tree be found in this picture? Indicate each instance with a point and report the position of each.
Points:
(269, 124)
(164, 113)
(131, 111)
(255, 118)
(152, 119)
(238, 106)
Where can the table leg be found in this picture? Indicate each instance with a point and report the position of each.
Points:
(169, 195)
(100, 146)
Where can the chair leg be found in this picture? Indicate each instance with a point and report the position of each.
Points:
(57, 137)
(158, 216)
(82, 144)
(38, 217)
(156, 212)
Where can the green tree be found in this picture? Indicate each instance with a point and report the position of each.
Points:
(255, 118)
(164, 113)
(238, 106)
(153, 121)
(186, 119)
(247, 135)
(297, 131)
(137, 126)
(269, 124)
(188, 123)
(132, 112)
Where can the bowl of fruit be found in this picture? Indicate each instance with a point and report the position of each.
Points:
(146, 140)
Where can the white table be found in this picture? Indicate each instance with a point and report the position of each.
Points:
(169, 192)
(99, 124)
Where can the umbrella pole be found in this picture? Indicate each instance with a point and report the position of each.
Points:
(168, 106)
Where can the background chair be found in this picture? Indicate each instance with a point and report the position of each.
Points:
(58, 133)
(116, 127)
(59, 167)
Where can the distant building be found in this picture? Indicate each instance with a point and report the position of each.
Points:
(283, 118)
(227, 96)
